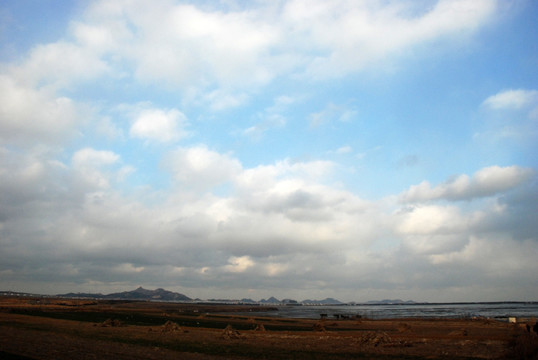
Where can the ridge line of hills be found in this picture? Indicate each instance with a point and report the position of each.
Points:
(165, 295)
(160, 294)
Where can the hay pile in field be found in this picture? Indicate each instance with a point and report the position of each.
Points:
(230, 333)
(170, 326)
(459, 332)
(402, 327)
(376, 338)
(112, 323)
(260, 327)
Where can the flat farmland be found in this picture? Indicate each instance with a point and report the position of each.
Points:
(33, 328)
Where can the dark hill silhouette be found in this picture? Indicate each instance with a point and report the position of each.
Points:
(390, 302)
(271, 300)
(327, 301)
(137, 294)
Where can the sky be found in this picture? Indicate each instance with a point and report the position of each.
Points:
(299, 149)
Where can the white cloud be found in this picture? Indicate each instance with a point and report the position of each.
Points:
(90, 166)
(222, 100)
(193, 46)
(91, 158)
(128, 268)
(222, 54)
(101, 39)
(266, 176)
(270, 118)
(510, 117)
(512, 99)
(30, 115)
(431, 219)
(485, 182)
(375, 29)
(279, 224)
(159, 125)
(346, 149)
(511, 258)
(331, 114)
(200, 168)
(59, 65)
(239, 264)
(221, 225)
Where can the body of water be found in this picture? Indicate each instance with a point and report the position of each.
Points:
(500, 311)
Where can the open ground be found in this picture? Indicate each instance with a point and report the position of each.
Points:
(41, 328)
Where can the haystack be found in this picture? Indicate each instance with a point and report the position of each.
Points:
(112, 323)
(170, 326)
(459, 332)
(260, 327)
(230, 333)
(376, 338)
(402, 327)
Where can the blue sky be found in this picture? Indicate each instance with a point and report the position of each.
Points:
(352, 149)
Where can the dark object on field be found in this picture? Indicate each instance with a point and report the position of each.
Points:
(260, 327)
(112, 323)
(230, 333)
(533, 328)
(170, 326)
(402, 327)
(525, 346)
(376, 338)
(318, 327)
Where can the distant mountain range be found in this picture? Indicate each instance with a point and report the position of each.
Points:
(165, 295)
(328, 301)
(138, 294)
(271, 300)
(390, 302)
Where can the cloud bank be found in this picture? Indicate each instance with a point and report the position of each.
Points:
(123, 159)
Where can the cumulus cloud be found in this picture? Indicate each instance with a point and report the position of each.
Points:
(262, 231)
(485, 182)
(191, 45)
(220, 99)
(94, 167)
(28, 115)
(60, 65)
(239, 264)
(374, 29)
(90, 158)
(512, 99)
(200, 168)
(511, 117)
(220, 53)
(433, 229)
(223, 227)
(159, 125)
(264, 176)
(279, 225)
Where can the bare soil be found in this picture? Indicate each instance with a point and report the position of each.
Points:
(33, 328)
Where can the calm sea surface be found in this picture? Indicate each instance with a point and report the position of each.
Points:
(500, 311)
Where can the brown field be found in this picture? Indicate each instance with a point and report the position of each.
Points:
(32, 328)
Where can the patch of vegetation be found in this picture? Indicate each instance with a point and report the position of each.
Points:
(96, 317)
